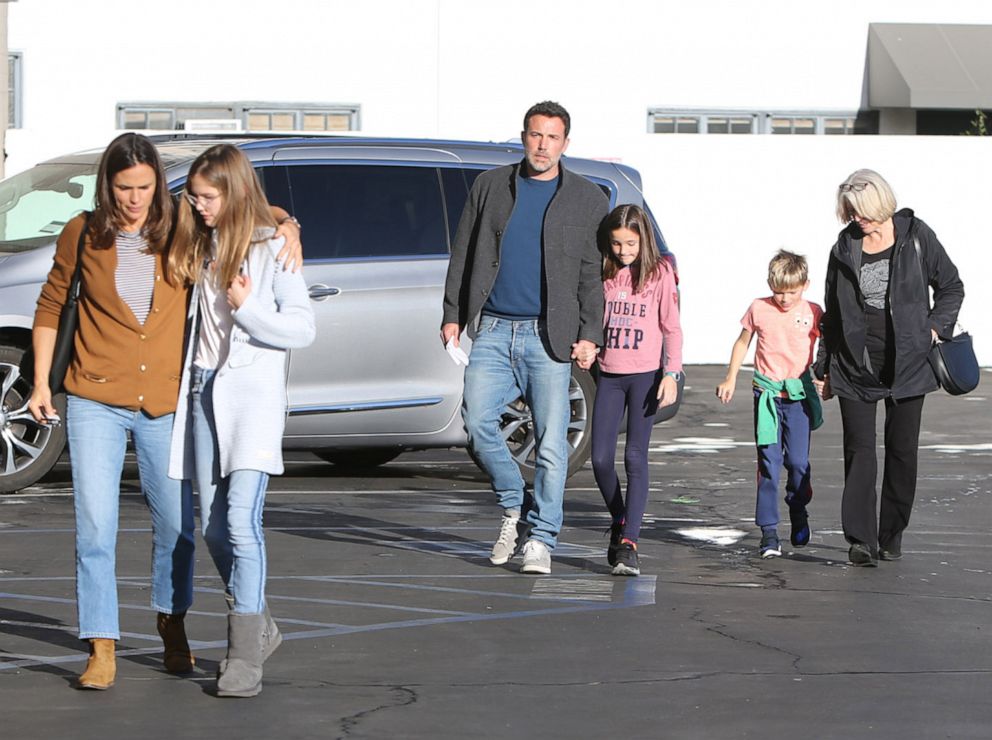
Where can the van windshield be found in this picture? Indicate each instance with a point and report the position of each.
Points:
(37, 203)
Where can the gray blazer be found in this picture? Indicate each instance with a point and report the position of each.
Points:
(573, 284)
(249, 390)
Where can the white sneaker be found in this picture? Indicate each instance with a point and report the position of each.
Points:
(506, 543)
(537, 558)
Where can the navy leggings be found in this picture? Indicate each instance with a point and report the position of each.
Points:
(637, 394)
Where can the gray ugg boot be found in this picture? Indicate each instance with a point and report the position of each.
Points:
(242, 674)
(271, 639)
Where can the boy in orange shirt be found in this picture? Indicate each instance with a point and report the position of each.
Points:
(786, 406)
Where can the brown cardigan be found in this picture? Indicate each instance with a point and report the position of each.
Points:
(118, 361)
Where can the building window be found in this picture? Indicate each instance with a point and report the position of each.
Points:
(241, 116)
(14, 63)
(793, 125)
(696, 121)
(676, 124)
(843, 125)
(730, 124)
(144, 118)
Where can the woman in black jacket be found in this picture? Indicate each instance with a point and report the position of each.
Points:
(878, 327)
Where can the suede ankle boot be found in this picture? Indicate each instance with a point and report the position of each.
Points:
(177, 658)
(242, 673)
(271, 638)
(101, 668)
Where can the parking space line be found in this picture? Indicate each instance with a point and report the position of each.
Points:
(635, 592)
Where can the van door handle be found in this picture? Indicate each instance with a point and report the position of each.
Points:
(319, 291)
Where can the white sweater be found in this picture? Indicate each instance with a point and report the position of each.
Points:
(249, 391)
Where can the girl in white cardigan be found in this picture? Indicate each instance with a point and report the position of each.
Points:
(246, 312)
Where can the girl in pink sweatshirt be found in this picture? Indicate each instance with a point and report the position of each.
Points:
(640, 366)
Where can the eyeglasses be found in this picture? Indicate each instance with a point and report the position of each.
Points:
(857, 187)
(194, 200)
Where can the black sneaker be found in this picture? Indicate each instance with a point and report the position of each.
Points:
(616, 534)
(770, 546)
(800, 526)
(861, 555)
(891, 550)
(627, 563)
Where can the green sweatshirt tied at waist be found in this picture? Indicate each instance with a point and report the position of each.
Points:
(796, 389)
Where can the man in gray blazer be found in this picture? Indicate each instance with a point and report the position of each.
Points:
(525, 280)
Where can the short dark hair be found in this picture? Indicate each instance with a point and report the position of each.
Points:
(551, 109)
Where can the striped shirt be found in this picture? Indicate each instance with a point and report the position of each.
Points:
(135, 276)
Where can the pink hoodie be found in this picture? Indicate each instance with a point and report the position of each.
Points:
(639, 325)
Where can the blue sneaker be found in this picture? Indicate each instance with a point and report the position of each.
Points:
(770, 547)
(800, 526)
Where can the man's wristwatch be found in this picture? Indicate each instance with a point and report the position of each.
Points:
(292, 220)
(674, 375)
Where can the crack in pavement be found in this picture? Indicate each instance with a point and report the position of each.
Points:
(404, 697)
(720, 629)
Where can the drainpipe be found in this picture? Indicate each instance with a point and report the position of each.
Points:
(4, 91)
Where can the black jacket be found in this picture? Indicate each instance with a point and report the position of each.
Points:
(573, 266)
(842, 352)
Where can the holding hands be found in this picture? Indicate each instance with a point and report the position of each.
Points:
(584, 353)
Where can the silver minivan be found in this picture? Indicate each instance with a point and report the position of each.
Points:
(378, 219)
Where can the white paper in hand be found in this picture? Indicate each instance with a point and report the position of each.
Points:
(456, 353)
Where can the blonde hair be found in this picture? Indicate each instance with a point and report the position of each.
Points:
(787, 271)
(243, 209)
(865, 193)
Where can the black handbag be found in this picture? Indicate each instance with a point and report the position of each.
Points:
(953, 360)
(65, 340)
(955, 365)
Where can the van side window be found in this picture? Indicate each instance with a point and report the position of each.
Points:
(364, 211)
(457, 184)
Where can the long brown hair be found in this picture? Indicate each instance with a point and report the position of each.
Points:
(649, 261)
(243, 209)
(124, 152)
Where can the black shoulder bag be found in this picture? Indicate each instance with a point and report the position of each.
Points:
(68, 322)
(953, 360)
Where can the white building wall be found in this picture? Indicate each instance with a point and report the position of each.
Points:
(450, 68)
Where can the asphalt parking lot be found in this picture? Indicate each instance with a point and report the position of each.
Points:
(397, 626)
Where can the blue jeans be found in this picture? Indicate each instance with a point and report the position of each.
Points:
(230, 507)
(508, 360)
(97, 442)
(791, 451)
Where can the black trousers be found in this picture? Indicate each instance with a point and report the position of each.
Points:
(902, 439)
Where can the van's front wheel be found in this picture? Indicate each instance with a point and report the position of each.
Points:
(28, 450)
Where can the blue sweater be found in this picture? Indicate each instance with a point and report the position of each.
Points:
(516, 294)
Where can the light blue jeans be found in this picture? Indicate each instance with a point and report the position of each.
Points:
(230, 507)
(508, 360)
(97, 442)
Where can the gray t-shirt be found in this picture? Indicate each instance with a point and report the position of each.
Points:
(874, 278)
